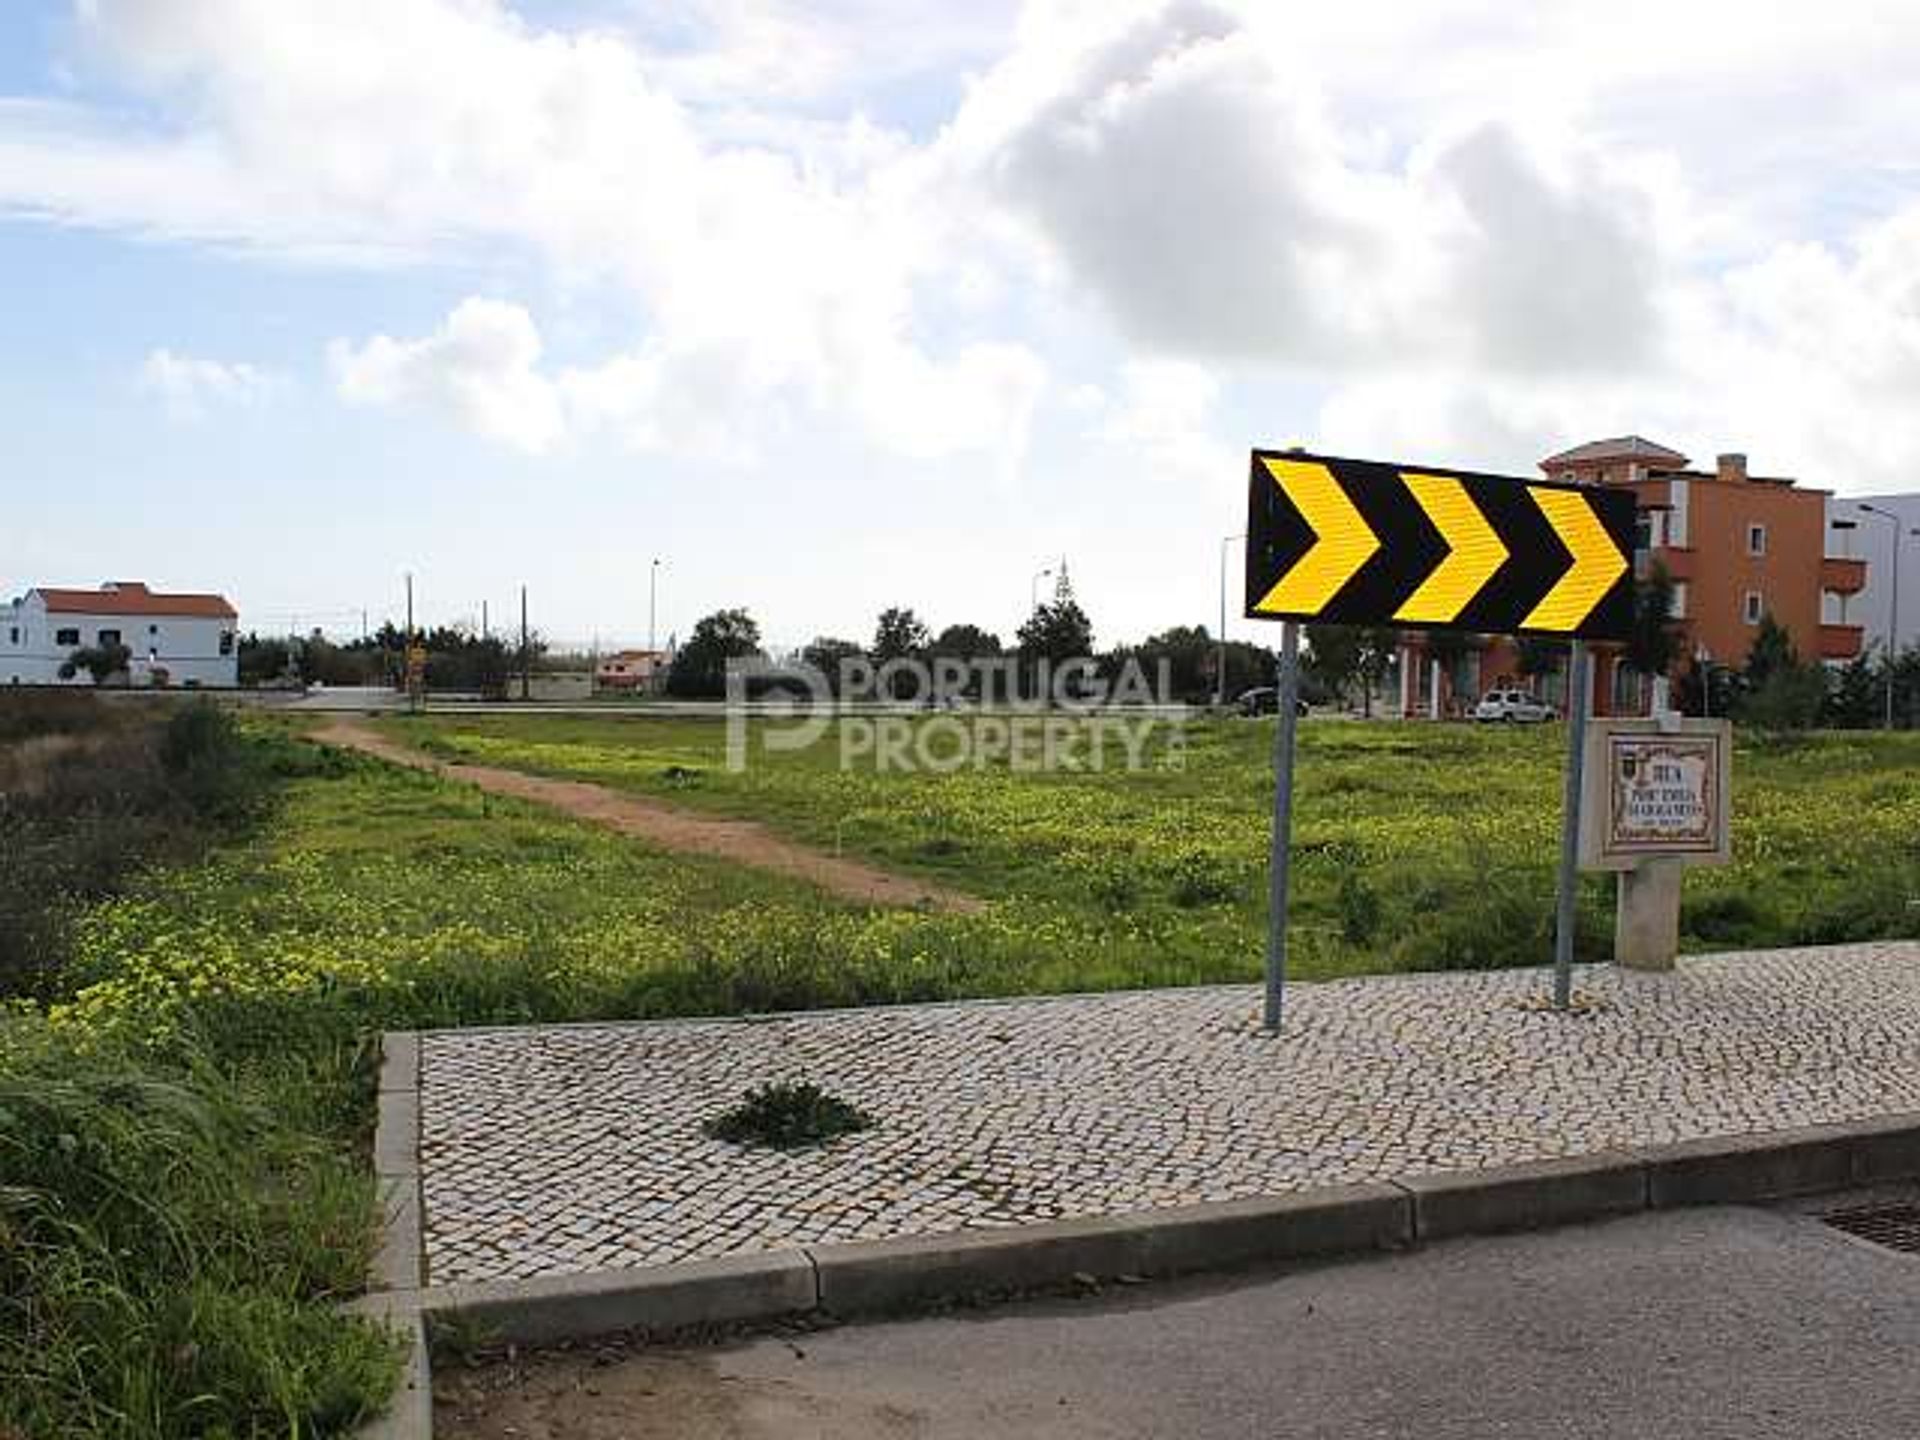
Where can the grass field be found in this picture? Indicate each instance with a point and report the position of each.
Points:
(1416, 846)
(189, 1095)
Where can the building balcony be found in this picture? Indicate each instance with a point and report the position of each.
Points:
(1843, 577)
(1840, 642)
(1678, 561)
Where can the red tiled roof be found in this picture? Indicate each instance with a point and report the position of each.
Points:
(130, 597)
(1621, 447)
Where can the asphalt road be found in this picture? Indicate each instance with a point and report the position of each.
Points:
(1729, 1322)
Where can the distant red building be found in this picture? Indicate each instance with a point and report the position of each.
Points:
(630, 670)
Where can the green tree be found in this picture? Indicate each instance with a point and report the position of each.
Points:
(1334, 657)
(1058, 630)
(1538, 656)
(1186, 652)
(101, 662)
(1781, 692)
(1653, 644)
(1707, 688)
(966, 642)
(1249, 667)
(263, 660)
(1855, 698)
(827, 655)
(1772, 651)
(899, 636)
(700, 667)
(1378, 646)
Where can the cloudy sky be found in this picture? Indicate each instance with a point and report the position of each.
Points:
(834, 304)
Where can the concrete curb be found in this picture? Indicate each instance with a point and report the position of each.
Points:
(398, 1265)
(666, 1297)
(409, 1414)
(879, 1276)
(1525, 1197)
(889, 1276)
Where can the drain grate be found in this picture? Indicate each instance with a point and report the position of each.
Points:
(1895, 1226)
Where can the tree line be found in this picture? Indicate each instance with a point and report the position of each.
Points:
(457, 659)
(1772, 688)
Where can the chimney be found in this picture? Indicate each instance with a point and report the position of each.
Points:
(1731, 466)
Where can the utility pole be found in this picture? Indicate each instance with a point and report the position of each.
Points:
(483, 620)
(415, 681)
(1220, 640)
(653, 591)
(526, 654)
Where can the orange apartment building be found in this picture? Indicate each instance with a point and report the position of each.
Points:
(1737, 545)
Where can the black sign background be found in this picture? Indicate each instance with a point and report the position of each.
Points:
(1410, 547)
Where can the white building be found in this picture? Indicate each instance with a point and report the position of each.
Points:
(184, 640)
(1871, 538)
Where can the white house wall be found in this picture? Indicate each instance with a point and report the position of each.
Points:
(187, 647)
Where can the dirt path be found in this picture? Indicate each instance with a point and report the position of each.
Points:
(746, 842)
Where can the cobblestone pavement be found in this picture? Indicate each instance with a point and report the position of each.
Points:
(555, 1149)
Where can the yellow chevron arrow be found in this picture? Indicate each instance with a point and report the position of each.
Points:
(1474, 551)
(1597, 561)
(1342, 539)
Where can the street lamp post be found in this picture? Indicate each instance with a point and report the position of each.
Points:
(1220, 641)
(1893, 612)
(1033, 590)
(653, 590)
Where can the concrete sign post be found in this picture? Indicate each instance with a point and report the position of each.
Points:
(1658, 799)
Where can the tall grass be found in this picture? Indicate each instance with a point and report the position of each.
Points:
(177, 1220)
(169, 1246)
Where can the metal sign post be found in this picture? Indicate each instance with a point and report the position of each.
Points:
(1566, 910)
(1288, 699)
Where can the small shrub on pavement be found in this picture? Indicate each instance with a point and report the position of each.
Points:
(788, 1115)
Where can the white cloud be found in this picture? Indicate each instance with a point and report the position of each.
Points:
(1461, 223)
(1165, 422)
(1192, 180)
(481, 367)
(190, 387)
(406, 129)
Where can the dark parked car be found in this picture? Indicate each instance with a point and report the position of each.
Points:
(1265, 700)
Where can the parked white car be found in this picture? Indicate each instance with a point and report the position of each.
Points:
(1515, 707)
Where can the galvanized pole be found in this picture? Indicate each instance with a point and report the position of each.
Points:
(1283, 736)
(1570, 826)
(1220, 640)
(1893, 625)
(653, 592)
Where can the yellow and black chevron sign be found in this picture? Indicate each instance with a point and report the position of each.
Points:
(1362, 543)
